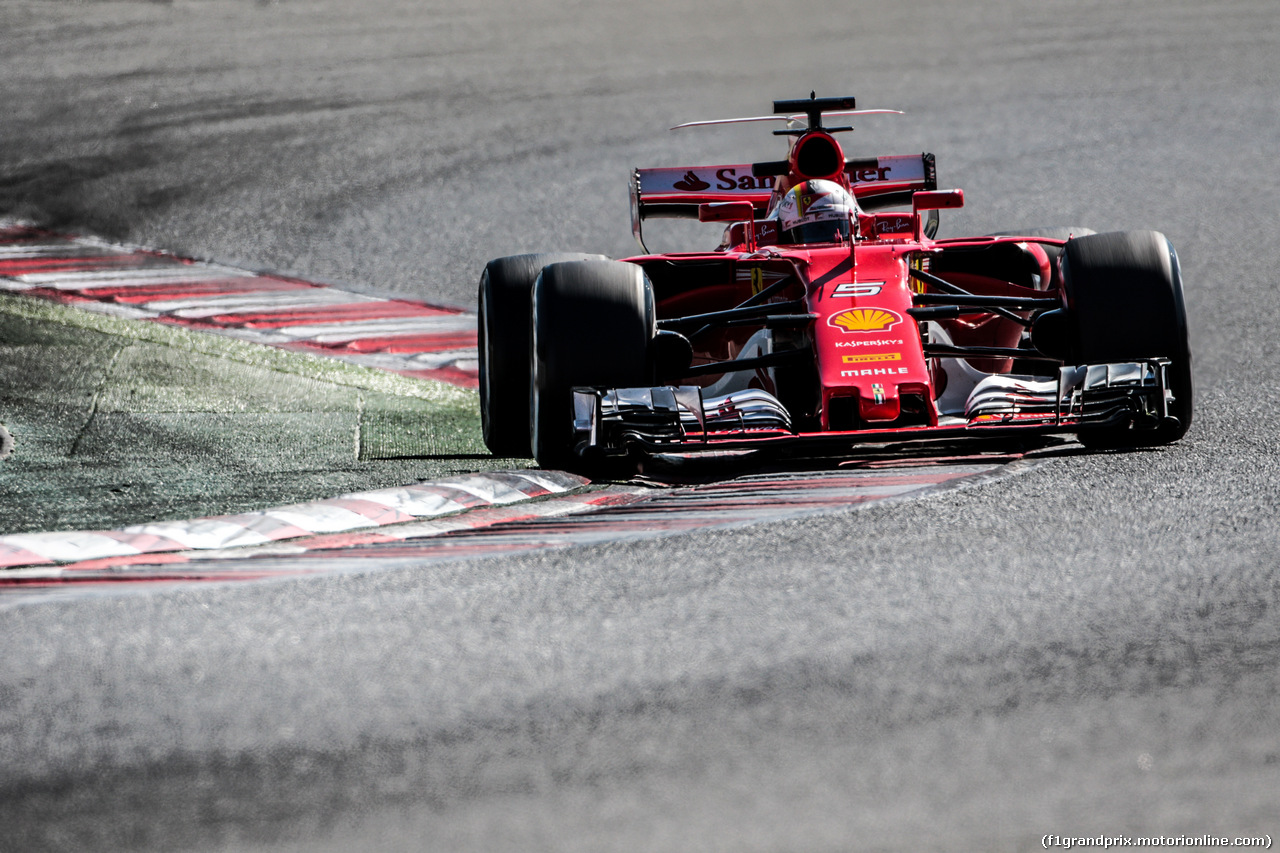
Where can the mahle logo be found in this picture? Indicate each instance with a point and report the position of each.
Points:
(865, 320)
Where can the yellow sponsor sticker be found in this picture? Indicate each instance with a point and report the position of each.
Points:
(863, 359)
(864, 320)
(919, 262)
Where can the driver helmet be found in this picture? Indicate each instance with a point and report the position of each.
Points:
(816, 211)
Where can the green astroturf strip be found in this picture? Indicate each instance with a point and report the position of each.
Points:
(284, 361)
(119, 422)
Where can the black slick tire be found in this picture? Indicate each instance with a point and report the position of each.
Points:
(592, 324)
(1057, 232)
(1125, 300)
(506, 288)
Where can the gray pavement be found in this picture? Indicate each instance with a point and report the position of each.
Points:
(1087, 648)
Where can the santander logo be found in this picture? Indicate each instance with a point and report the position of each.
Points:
(691, 183)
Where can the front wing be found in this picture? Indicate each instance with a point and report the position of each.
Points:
(612, 421)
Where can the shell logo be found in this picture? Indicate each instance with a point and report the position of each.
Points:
(865, 320)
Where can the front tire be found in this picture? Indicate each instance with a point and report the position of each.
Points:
(1124, 293)
(506, 288)
(592, 324)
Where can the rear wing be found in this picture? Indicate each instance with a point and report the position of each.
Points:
(877, 182)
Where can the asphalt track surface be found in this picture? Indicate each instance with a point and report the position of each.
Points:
(1088, 647)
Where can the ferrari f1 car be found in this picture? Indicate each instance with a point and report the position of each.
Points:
(828, 317)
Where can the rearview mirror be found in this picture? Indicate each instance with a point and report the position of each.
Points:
(726, 211)
(731, 211)
(933, 201)
(937, 200)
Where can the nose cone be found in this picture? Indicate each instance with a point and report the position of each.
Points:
(882, 404)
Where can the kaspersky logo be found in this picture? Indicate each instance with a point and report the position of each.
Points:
(864, 320)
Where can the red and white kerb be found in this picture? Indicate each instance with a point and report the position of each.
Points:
(399, 335)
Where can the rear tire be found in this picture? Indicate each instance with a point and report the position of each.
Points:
(506, 287)
(1058, 232)
(1124, 294)
(591, 326)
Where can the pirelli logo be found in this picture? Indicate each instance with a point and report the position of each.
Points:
(870, 357)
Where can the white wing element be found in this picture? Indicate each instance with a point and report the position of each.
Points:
(788, 119)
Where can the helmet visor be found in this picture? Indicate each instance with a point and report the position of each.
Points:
(827, 231)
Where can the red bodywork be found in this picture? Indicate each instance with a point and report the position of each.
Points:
(870, 375)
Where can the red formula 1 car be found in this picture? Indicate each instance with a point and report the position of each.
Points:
(829, 317)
